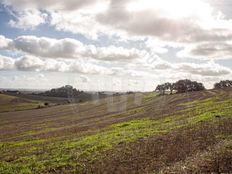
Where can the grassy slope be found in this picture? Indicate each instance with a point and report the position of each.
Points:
(78, 142)
(12, 103)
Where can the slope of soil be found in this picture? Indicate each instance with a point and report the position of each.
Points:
(152, 134)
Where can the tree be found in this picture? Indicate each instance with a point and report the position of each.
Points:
(223, 84)
(186, 85)
(165, 87)
(65, 91)
(180, 86)
(169, 86)
(161, 89)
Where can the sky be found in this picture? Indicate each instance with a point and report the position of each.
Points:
(114, 45)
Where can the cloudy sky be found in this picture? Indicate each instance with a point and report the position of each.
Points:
(116, 45)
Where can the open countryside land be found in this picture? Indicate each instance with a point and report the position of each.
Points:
(115, 87)
(179, 133)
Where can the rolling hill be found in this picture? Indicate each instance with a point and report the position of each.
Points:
(14, 103)
(134, 133)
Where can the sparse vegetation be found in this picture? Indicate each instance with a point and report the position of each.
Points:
(58, 140)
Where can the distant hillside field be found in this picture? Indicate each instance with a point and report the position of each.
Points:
(39, 98)
(13, 103)
(133, 133)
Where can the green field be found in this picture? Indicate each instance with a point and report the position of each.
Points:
(180, 133)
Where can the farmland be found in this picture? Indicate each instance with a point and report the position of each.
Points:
(133, 133)
(13, 103)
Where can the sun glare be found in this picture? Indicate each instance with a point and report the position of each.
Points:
(173, 8)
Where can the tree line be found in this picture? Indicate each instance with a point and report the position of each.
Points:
(223, 84)
(64, 91)
(186, 85)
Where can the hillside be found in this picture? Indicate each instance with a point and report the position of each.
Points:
(14, 103)
(180, 133)
(40, 98)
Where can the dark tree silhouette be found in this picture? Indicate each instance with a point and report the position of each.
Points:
(160, 89)
(180, 86)
(223, 84)
(186, 85)
(65, 91)
(169, 86)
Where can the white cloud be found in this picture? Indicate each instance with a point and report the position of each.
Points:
(156, 46)
(75, 16)
(158, 72)
(77, 22)
(29, 63)
(193, 26)
(179, 20)
(47, 47)
(118, 53)
(71, 48)
(172, 23)
(45, 4)
(32, 63)
(28, 19)
(210, 69)
(208, 50)
(4, 42)
(175, 21)
(6, 63)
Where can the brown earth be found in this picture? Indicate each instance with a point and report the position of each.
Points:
(166, 153)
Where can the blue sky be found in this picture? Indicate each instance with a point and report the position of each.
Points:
(114, 45)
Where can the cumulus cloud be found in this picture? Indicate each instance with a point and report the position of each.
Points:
(118, 53)
(160, 70)
(32, 63)
(77, 23)
(193, 27)
(156, 46)
(175, 23)
(71, 48)
(208, 50)
(5, 42)
(44, 4)
(28, 19)
(209, 69)
(29, 63)
(47, 47)
(75, 16)
(166, 20)
(6, 63)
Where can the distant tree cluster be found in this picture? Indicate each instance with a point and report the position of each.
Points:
(180, 86)
(223, 84)
(65, 91)
(165, 87)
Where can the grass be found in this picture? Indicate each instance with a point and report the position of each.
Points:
(150, 95)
